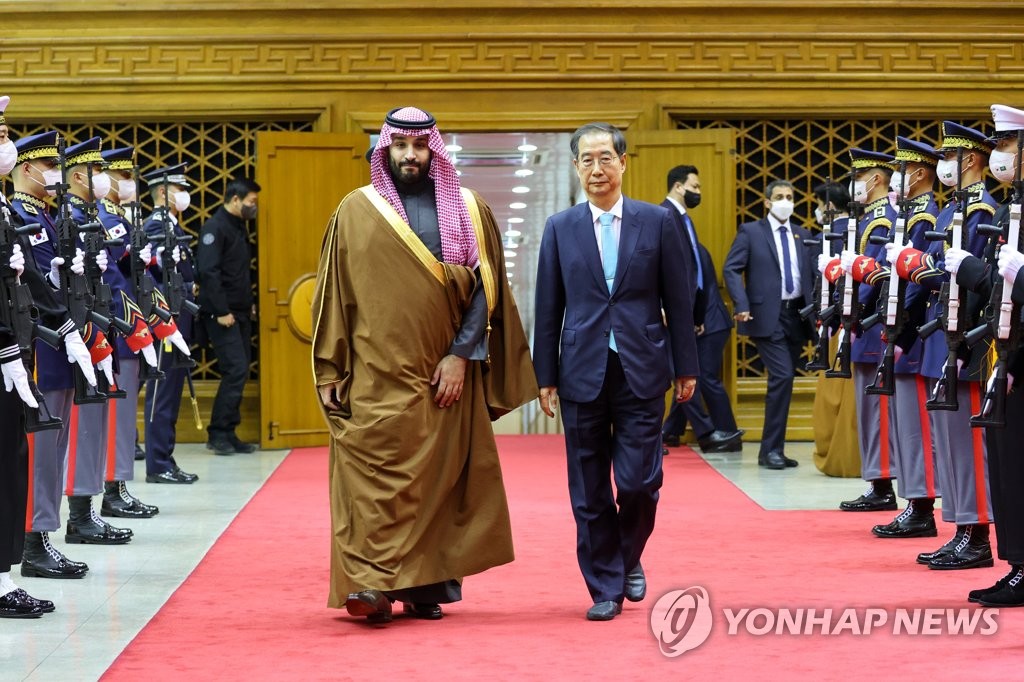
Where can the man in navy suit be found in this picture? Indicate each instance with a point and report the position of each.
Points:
(770, 278)
(715, 428)
(613, 318)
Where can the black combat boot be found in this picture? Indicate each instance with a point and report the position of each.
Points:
(42, 560)
(972, 551)
(117, 501)
(86, 527)
(916, 521)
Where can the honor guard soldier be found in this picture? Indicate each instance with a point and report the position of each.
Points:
(19, 398)
(914, 188)
(870, 187)
(951, 369)
(1003, 443)
(117, 501)
(35, 178)
(168, 188)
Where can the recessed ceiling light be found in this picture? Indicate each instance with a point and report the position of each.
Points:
(510, 244)
(526, 147)
(524, 173)
(453, 147)
(510, 264)
(515, 220)
(517, 205)
(513, 233)
(509, 253)
(521, 189)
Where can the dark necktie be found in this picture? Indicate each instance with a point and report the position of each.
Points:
(787, 263)
(696, 251)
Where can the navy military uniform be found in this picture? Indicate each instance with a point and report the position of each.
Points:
(913, 451)
(117, 501)
(163, 396)
(874, 431)
(960, 453)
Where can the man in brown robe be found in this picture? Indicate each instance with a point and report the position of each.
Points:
(417, 345)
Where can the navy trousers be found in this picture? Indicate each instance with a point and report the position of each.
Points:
(619, 432)
(161, 419)
(710, 393)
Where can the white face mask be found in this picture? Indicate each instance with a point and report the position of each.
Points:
(51, 176)
(126, 190)
(946, 170)
(181, 200)
(1001, 165)
(100, 185)
(896, 184)
(8, 157)
(859, 191)
(819, 215)
(782, 209)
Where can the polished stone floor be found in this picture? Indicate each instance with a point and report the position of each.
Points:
(99, 615)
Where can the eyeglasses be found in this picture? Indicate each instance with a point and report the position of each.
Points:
(604, 161)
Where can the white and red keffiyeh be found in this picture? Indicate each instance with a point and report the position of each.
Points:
(458, 240)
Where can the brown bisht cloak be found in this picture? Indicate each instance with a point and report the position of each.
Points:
(416, 491)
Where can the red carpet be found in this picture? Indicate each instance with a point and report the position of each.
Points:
(254, 608)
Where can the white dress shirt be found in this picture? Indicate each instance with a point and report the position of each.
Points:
(794, 263)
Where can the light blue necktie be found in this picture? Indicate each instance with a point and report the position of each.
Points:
(609, 260)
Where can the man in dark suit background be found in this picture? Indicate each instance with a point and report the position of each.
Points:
(715, 428)
(770, 277)
(607, 270)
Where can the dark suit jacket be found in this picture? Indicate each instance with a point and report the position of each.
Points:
(753, 277)
(575, 310)
(716, 315)
(690, 264)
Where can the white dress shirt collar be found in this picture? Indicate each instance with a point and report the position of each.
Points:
(615, 210)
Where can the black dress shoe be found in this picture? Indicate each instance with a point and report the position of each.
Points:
(772, 460)
(220, 446)
(18, 604)
(722, 441)
(369, 603)
(670, 441)
(871, 501)
(604, 610)
(975, 595)
(184, 475)
(636, 584)
(40, 559)
(927, 557)
(140, 454)
(1011, 594)
(45, 604)
(240, 447)
(972, 551)
(118, 502)
(908, 524)
(166, 477)
(424, 611)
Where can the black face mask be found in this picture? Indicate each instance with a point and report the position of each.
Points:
(248, 212)
(691, 199)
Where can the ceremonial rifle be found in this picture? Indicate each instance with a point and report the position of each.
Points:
(19, 314)
(823, 311)
(142, 283)
(895, 316)
(1002, 316)
(174, 284)
(850, 312)
(953, 315)
(74, 288)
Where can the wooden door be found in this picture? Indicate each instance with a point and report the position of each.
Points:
(303, 177)
(651, 154)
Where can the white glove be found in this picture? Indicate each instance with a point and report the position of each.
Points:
(953, 259)
(15, 377)
(107, 366)
(146, 253)
(78, 262)
(823, 261)
(179, 342)
(1010, 262)
(55, 270)
(79, 354)
(176, 254)
(101, 260)
(149, 355)
(846, 259)
(892, 255)
(17, 261)
(897, 352)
